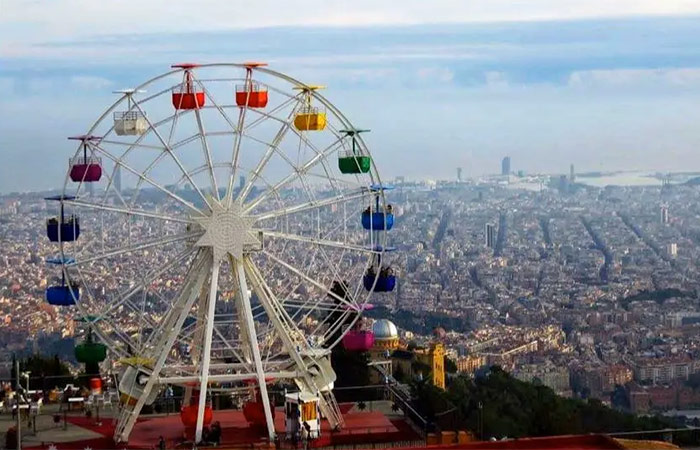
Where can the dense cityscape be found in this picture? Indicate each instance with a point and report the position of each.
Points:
(582, 288)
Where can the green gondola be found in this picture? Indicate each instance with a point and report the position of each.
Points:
(90, 352)
(354, 161)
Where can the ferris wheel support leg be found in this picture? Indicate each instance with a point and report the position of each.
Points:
(252, 335)
(206, 352)
(285, 327)
(181, 309)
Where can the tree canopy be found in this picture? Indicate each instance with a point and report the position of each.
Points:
(513, 408)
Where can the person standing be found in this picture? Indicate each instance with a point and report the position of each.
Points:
(305, 437)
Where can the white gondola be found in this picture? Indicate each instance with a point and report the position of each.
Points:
(131, 386)
(131, 122)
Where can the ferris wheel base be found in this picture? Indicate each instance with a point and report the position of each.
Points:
(362, 427)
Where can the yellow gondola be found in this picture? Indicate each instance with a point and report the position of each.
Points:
(309, 118)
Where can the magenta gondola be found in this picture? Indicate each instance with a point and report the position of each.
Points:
(358, 340)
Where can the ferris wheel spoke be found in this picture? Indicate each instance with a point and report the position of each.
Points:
(233, 350)
(263, 117)
(136, 144)
(207, 153)
(172, 154)
(84, 311)
(136, 247)
(145, 282)
(312, 205)
(176, 316)
(239, 267)
(292, 286)
(322, 242)
(161, 155)
(130, 212)
(301, 274)
(293, 176)
(150, 181)
(236, 153)
(347, 183)
(271, 149)
(236, 139)
(286, 329)
(322, 155)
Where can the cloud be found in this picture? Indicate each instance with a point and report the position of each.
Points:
(435, 74)
(29, 21)
(90, 82)
(636, 78)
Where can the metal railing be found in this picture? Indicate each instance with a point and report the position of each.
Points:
(253, 88)
(129, 115)
(85, 160)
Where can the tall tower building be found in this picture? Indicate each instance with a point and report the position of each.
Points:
(505, 166)
(664, 215)
(459, 174)
(572, 174)
(490, 235)
(241, 182)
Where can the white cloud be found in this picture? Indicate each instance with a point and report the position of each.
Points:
(89, 82)
(441, 74)
(635, 78)
(31, 21)
(496, 79)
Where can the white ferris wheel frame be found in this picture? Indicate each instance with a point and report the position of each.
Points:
(244, 270)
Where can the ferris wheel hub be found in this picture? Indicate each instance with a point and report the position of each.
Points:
(228, 231)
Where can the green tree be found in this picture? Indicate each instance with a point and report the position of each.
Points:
(450, 366)
(515, 408)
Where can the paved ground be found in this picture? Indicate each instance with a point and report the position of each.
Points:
(46, 429)
(80, 429)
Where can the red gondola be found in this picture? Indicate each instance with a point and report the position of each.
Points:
(188, 415)
(185, 95)
(251, 95)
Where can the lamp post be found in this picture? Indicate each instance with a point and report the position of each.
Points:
(481, 421)
(19, 411)
(26, 375)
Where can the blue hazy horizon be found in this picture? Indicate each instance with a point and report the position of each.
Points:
(603, 94)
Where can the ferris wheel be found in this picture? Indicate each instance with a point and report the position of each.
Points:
(221, 226)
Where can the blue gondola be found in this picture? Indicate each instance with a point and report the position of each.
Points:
(62, 295)
(377, 220)
(62, 228)
(386, 281)
(380, 187)
(67, 230)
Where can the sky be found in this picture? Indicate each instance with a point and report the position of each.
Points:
(605, 85)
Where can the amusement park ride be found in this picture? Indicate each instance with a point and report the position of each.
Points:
(185, 280)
